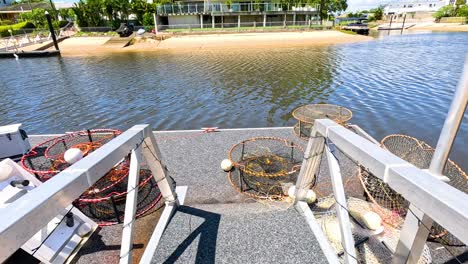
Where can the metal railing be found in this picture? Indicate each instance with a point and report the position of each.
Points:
(31, 37)
(430, 199)
(253, 26)
(206, 8)
(35, 209)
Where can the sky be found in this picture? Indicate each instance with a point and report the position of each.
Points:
(354, 5)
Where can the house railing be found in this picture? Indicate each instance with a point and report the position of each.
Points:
(221, 8)
(31, 212)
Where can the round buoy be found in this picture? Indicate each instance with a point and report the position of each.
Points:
(292, 191)
(73, 155)
(84, 229)
(226, 165)
(311, 197)
(5, 172)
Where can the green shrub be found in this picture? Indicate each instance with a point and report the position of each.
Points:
(5, 22)
(62, 23)
(445, 11)
(463, 11)
(148, 19)
(16, 28)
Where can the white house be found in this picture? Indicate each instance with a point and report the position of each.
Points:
(412, 6)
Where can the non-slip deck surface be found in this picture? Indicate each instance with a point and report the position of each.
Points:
(238, 233)
(246, 231)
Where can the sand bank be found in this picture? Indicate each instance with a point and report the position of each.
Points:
(260, 40)
(82, 46)
(448, 27)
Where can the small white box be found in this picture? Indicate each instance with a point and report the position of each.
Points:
(13, 141)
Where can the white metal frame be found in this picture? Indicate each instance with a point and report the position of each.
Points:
(32, 211)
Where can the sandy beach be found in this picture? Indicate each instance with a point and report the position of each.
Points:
(82, 46)
(447, 27)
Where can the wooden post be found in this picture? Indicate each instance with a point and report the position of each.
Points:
(238, 21)
(341, 208)
(130, 207)
(155, 24)
(212, 21)
(201, 21)
(153, 156)
(403, 26)
(310, 165)
(294, 19)
(51, 28)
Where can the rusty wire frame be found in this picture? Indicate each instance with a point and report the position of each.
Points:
(307, 114)
(384, 198)
(265, 173)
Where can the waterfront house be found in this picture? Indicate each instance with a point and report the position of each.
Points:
(206, 14)
(397, 7)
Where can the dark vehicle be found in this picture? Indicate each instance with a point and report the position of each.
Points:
(357, 25)
(125, 30)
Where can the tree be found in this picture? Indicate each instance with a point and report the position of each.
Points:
(378, 12)
(463, 11)
(329, 6)
(445, 11)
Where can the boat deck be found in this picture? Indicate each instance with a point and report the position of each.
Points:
(217, 223)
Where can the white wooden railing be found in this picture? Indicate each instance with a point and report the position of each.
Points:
(31, 212)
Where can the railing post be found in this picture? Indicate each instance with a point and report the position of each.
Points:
(414, 234)
(153, 156)
(341, 208)
(310, 165)
(130, 207)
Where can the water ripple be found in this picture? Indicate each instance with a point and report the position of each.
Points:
(399, 84)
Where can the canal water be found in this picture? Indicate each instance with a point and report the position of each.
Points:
(393, 84)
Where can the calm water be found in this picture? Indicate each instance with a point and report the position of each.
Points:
(397, 84)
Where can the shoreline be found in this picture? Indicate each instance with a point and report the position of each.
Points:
(439, 27)
(83, 46)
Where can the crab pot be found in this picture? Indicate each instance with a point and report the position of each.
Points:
(265, 167)
(307, 114)
(45, 160)
(420, 155)
(104, 202)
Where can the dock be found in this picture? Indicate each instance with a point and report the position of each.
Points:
(226, 221)
(216, 222)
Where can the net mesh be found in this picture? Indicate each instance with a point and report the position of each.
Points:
(265, 167)
(370, 247)
(392, 206)
(104, 202)
(45, 160)
(307, 114)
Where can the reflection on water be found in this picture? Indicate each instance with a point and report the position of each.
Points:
(395, 84)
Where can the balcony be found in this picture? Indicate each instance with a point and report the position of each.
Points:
(234, 8)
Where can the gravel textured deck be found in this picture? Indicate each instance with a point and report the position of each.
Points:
(238, 233)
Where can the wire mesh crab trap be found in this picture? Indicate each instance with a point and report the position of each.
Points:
(265, 166)
(392, 206)
(307, 114)
(105, 200)
(371, 246)
(46, 159)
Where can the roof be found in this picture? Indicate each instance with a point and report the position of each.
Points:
(24, 7)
